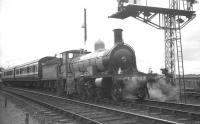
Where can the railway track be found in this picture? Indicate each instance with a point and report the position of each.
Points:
(180, 113)
(42, 114)
(87, 112)
(192, 90)
(192, 93)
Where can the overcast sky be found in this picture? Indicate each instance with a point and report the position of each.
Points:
(31, 29)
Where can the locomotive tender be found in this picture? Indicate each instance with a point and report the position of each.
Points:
(103, 73)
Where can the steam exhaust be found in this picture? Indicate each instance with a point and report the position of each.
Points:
(162, 91)
(131, 86)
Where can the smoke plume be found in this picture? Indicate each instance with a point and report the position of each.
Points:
(131, 86)
(162, 90)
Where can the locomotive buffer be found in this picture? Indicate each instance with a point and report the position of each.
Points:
(171, 20)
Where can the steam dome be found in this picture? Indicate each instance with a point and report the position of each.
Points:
(99, 45)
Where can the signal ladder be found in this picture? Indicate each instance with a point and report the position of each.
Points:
(179, 56)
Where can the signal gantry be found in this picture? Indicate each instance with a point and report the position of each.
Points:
(172, 19)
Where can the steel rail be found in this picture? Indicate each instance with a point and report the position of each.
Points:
(128, 115)
(154, 110)
(24, 100)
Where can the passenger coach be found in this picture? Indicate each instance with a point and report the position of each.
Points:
(28, 72)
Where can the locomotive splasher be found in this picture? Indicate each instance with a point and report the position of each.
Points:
(104, 73)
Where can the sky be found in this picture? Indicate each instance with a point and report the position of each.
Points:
(32, 29)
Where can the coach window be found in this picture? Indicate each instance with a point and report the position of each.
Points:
(28, 69)
(24, 70)
(11, 72)
(17, 71)
(20, 71)
(33, 68)
(70, 55)
(36, 68)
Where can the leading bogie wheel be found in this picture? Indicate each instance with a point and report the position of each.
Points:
(116, 91)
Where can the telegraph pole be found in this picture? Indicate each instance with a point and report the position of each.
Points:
(85, 26)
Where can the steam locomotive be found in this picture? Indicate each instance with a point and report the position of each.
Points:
(110, 73)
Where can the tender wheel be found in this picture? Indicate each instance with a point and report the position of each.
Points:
(116, 92)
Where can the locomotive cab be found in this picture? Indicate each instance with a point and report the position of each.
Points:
(66, 72)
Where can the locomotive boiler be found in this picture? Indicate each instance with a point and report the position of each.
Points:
(119, 59)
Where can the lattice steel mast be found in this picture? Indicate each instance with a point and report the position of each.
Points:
(171, 20)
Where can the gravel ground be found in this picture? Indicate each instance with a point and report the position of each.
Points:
(15, 112)
(12, 114)
(192, 100)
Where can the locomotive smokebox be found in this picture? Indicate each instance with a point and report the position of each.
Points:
(118, 36)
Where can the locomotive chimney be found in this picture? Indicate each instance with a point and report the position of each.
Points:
(118, 36)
